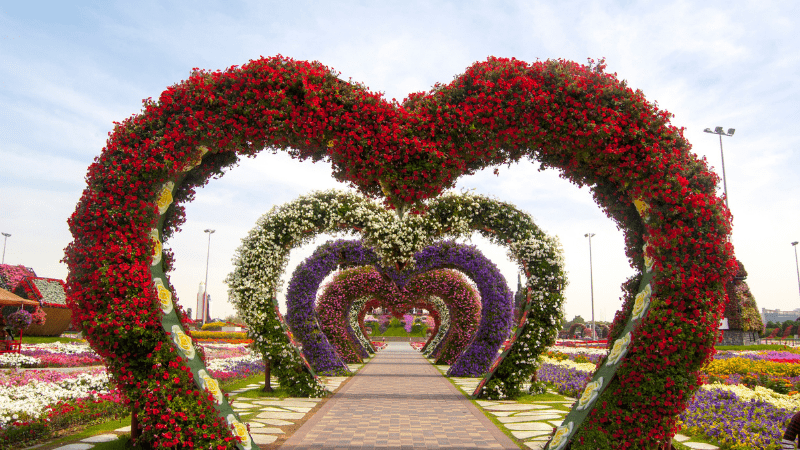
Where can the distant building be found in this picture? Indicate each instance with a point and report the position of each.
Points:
(776, 315)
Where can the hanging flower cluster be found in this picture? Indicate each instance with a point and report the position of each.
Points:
(575, 118)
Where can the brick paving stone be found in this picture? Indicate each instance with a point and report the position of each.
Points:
(398, 401)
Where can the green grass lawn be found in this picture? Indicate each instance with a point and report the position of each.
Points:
(778, 347)
(47, 339)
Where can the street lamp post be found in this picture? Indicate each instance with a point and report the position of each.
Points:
(205, 286)
(794, 244)
(718, 130)
(591, 282)
(5, 239)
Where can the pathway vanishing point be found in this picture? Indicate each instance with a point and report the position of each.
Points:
(398, 401)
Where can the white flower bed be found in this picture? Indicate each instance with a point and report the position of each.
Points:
(577, 350)
(17, 360)
(790, 402)
(586, 367)
(31, 399)
(227, 364)
(60, 347)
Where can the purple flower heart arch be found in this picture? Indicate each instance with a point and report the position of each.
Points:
(496, 301)
(575, 118)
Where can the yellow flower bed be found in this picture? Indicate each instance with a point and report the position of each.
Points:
(744, 366)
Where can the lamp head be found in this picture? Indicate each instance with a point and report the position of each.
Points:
(794, 243)
(209, 231)
(718, 130)
(708, 130)
(7, 235)
(731, 131)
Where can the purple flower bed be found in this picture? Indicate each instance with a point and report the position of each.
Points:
(761, 356)
(565, 381)
(240, 370)
(731, 421)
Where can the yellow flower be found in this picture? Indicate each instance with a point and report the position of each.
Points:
(642, 302)
(240, 430)
(641, 206)
(156, 246)
(331, 143)
(590, 393)
(183, 342)
(211, 385)
(165, 197)
(619, 349)
(164, 296)
(648, 261)
(560, 438)
(192, 163)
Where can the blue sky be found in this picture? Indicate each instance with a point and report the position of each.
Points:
(67, 72)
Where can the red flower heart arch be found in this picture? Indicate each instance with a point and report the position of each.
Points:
(584, 122)
(337, 296)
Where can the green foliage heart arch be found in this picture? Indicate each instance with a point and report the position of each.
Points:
(261, 259)
(577, 119)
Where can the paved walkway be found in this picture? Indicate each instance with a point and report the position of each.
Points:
(398, 401)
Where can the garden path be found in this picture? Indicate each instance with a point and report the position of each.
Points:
(399, 400)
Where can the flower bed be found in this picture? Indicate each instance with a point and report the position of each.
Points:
(52, 355)
(732, 414)
(36, 403)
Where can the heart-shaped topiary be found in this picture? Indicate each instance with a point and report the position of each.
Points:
(496, 299)
(577, 119)
(338, 299)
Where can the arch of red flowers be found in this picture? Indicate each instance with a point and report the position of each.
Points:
(575, 118)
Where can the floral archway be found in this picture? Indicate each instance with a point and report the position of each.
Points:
(496, 299)
(574, 118)
(339, 296)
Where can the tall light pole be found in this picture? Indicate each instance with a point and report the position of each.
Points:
(794, 244)
(591, 282)
(5, 239)
(718, 130)
(205, 286)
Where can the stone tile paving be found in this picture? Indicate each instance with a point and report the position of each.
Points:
(533, 423)
(264, 415)
(398, 401)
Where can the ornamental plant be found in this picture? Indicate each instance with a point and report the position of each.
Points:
(406, 292)
(264, 252)
(11, 276)
(336, 299)
(577, 119)
(19, 320)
